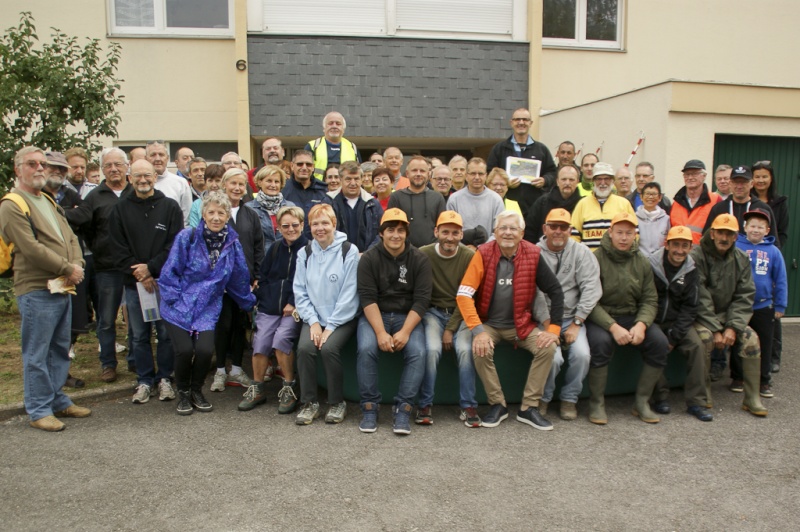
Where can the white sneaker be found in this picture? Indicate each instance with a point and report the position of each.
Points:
(72, 352)
(239, 380)
(120, 348)
(142, 394)
(165, 391)
(270, 373)
(219, 382)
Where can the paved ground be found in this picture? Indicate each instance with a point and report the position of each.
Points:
(142, 467)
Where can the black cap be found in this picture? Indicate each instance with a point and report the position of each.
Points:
(742, 172)
(694, 164)
(757, 212)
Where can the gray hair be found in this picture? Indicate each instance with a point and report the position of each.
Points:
(368, 167)
(218, 198)
(108, 151)
(231, 153)
(509, 214)
(20, 155)
(325, 118)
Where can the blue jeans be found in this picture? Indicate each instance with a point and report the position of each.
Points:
(46, 322)
(435, 322)
(109, 297)
(579, 358)
(142, 352)
(368, 353)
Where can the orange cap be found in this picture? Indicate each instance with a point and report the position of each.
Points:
(450, 217)
(559, 216)
(625, 217)
(679, 232)
(394, 214)
(726, 222)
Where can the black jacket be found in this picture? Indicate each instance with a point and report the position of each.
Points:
(142, 232)
(677, 297)
(728, 206)
(396, 284)
(248, 226)
(525, 195)
(780, 208)
(275, 289)
(536, 216)
(305, 198)
(92, 218)
(368, 214)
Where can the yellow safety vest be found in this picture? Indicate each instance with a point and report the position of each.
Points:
(348, 153)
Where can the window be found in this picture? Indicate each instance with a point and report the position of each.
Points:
(583, 23)
(194, 18)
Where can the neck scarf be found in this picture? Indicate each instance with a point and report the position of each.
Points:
(214, 243)
(271, 203)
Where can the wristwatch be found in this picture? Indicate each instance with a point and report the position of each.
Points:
(577, 321)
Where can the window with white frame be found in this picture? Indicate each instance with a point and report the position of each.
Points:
(192, 18)
(583, 23)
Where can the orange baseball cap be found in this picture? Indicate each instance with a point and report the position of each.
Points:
(726, 222)
(394, 214)
(624, 217)
(679, 232)
(559, 216)
(450, 217)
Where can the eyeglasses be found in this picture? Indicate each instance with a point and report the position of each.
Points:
(443, 179)
(304, 164)
(644, 175)
(763, 163)
(33, 165)
(651, 195)
(558, 227)
(295, 225)
(604, 179)
(114, 165)
(504, 228)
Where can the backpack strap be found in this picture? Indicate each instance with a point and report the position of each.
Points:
(309, 250)
(345, 250)
(20, 202)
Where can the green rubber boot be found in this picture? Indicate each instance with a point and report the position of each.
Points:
(751, 370)
(648, 379)
(597, 389)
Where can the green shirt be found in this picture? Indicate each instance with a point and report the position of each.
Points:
(45, 208)
(447, 275)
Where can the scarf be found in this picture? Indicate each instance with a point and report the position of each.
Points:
(214, 243)
(270, 203)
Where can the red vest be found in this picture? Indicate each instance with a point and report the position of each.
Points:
(525, 263)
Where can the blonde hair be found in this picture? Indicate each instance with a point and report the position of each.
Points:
(233, 172)
(322, 209)
(269, 170)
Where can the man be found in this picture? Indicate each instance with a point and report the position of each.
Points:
(623, 181)
(740, 201)
(272, 152)
(442, 181)
(722, 179)
(593, 214)
(138, 153)
(52, 252)
(393, 160)
(521, 144)
(477, 205)
(444, 328)
(332, 147)
(692, 204)
(394, 285)
(564, 195)
(645, 173)
(496, 299)
(579, 275)
(677, 285)
(624, 316)
(197, 174)
(230, 160)
(376, 158)
(566, 154)
(421, 204)
(143, 225)
(458, 168)
(92, 176)
(727, 294)
(358, 214)
(93, 219)
(182, 158)
(170, 184)
(77, 159)
(301, 188)
(587, 172)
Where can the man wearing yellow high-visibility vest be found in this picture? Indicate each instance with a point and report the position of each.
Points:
(333, 148)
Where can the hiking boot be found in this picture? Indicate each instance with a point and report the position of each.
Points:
(568, 411)
(74, 411)
(109, 374)
(141, 395)
(240, 379)
(661, 407)
(470, 417)
(402, 416)
(199, 401)
(48, 424)
(369, 417)
(497, 413)
(254, 396)
(424, 416)
(165, 391)
(287, 400)
(737, 386)
(219, 382)
(534, 418)
(184, 404)
(766, 391)
(308, 413)
(336, 413)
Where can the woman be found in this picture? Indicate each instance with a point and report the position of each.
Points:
(213, 178)
(203, 264)
(276, 327)
(327, 302)
(497, 180)
(382, 186)
(269, 200)
(366, 178)
(332, 178)
(654, 221)
(232, 324)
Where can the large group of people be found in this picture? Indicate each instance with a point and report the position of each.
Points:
(312, 253)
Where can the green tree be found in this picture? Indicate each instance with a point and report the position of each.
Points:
(55, 96)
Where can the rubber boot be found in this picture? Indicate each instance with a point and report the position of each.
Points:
(751, 371)
(597, 389)
(644, 389)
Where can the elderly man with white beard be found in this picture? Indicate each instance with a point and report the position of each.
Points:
(593, 214)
